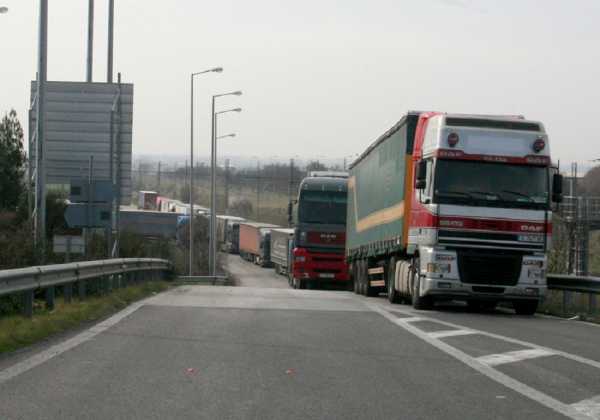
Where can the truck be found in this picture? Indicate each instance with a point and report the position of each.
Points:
(254, 242)
(319, 219)
(147, 200)
(224, 230)
(453, 207)
(282, 242)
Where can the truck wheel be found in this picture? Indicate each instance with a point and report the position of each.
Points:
(419, 302)
(393, 295)
(525, 307)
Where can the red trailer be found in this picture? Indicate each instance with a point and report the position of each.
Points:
(254, 242)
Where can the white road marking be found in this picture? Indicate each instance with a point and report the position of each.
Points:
(513, 356)
(523, 389)
(590, 407)
(56, 350)
(450, 333)
(413, 319)
(589, 362)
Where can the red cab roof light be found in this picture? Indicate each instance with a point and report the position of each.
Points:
(539, 145)
(453, 139)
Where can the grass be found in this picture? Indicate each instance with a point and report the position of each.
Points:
(18, 331)
(578, 304)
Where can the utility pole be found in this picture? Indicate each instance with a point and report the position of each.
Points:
(90, 43)
(257, 190)
(291, 187)
(111, 31)
(158, 178)
(226, 186)
(40, 167)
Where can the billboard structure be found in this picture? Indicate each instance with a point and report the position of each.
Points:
(86, 120)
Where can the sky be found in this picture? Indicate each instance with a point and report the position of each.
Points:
(322, 78)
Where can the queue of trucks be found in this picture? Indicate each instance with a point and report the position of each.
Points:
(440, 207)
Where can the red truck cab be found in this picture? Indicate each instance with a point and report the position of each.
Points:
(319, 218)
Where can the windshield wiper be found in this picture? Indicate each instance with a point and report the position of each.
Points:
(486, 193)
(451, 193)
(520, 195)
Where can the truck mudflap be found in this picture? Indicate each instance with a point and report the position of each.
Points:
(321, 266)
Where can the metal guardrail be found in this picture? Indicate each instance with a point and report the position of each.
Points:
(569, 283)
(108, 273)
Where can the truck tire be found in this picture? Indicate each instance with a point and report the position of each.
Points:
(419, 302)
(525, 307)
(393, 295)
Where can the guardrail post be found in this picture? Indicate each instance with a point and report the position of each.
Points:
(68, 292)
(28, 303)
(50, 298)
(81, 289)
(566, 301)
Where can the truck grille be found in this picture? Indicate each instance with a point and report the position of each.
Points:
(493, 268)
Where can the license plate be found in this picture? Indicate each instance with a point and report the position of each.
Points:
(326, 275)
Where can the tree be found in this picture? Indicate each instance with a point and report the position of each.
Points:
(315, 165)
(590, 184)
(12, 161)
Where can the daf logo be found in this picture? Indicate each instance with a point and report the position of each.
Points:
(531, 228)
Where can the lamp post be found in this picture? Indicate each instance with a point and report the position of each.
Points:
(212, 251)
(215, 70)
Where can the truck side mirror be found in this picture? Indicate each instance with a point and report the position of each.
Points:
(557, 184)
(421, 181)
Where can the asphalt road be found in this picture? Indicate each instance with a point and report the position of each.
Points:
(250, 275)
(207, 352)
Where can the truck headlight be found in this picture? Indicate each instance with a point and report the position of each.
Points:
(535, 274)
(438, 268)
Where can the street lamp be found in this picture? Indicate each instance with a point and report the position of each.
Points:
(213, 70)
(212, 251)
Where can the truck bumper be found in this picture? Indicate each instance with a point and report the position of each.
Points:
(322, 268)
(441, 278)
(454, 289)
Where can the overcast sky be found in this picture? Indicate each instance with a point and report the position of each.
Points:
(323, 78)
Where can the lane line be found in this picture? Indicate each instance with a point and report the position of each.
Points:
(523, 389)
(591, 407)
(580, 359)
(450, 333)
(513, 356)
(58, 349)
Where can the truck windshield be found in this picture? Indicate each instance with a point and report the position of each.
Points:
(324, 207)
(491, 184)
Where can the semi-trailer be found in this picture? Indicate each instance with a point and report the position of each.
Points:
(282, 242)
(224, 231)
(254, 242)
(453, 207)
(319, 219)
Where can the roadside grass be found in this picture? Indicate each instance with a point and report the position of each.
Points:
(17, 331)
(575, 305)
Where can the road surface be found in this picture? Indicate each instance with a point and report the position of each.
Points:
(203, 352)
(250, 275)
